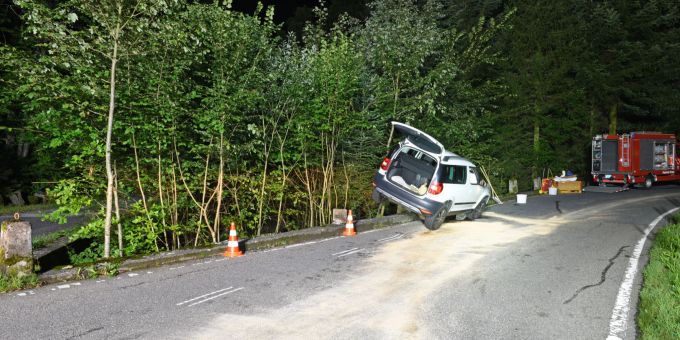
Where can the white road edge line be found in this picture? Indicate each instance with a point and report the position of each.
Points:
(619, 320)
(216, 296)
(352, 252)
(345, 251)
(370, 231)
(301, 244)
(328, 239)
(202, 296)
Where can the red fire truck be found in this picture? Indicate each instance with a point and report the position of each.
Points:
(640, 158)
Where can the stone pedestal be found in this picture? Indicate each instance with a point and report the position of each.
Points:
(16, 249)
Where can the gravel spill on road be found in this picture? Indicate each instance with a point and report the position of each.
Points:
(385, 297)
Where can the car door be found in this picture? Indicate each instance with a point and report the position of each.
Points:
(419, 138)
(468, 193)
(476, 186)
(455, 181)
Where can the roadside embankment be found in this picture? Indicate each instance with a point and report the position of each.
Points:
(659, 312)
(253, 244)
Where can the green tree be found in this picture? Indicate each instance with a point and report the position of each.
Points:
(92, 37)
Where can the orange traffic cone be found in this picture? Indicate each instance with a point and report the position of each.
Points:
(232, 244)
(349, 226)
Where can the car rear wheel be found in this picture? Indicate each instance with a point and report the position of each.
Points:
(434, 221)
(477, 212)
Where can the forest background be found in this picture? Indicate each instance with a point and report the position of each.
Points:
(169, 119)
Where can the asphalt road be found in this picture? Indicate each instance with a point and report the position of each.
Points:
(551, 268)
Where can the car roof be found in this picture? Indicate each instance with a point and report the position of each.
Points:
(448, 157)
(452, 158)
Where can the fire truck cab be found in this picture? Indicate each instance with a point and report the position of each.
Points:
(639, 158)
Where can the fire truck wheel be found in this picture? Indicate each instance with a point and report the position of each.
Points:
(648, 182)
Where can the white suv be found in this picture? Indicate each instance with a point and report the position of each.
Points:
(421, 176)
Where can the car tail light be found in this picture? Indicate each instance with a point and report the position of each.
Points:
(435, 188)
(385, 163)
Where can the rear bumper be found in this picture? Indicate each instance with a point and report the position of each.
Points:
(419, 205)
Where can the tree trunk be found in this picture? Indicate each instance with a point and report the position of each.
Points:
(536, 148)
(613, 117)
(537, 138)
(160, 196)
(109, 132)
(263, 186)
(117, 206)
(141, 188)
(219, 190)
(282, 142)
(591, 123)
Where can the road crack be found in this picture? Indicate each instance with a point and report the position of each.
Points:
(603, 276)
(87, 332)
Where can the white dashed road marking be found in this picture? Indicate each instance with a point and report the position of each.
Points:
(64, 286)
(345, 251)
(619, 320)
(216, 296)
(391, 238)
(210, 296)
(351, 252)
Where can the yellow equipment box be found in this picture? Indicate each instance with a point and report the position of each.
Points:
(575, 187)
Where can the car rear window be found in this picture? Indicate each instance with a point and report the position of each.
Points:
(454, 174)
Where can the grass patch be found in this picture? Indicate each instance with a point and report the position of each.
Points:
(659, 312)
(11, 283)
(11, 209)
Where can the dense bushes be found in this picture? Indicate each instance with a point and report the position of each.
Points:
(218, 119)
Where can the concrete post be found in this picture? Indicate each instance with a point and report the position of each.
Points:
(16, 249)
(512, 186)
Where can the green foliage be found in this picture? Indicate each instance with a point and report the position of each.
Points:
(107, 269)
(219, 119)
(11, 283)
(659, 312)
(70, 196)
